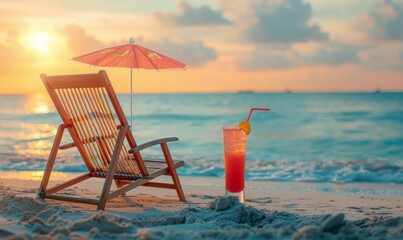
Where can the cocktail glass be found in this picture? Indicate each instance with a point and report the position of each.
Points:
(234, 140)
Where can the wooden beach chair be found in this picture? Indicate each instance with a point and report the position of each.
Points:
(87, 105)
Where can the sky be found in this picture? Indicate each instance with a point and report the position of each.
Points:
(228, 45)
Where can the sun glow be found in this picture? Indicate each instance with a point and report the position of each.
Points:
(40, 42)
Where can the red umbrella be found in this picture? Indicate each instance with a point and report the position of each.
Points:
(130, 56)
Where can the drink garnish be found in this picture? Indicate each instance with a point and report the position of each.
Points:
(245, 126)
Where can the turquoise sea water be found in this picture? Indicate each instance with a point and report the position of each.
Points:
(310, 137)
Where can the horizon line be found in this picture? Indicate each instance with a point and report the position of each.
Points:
(241, 92)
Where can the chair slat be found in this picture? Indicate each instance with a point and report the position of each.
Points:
(85, 138)
(102, 134)
(83, 120)
(90, 129)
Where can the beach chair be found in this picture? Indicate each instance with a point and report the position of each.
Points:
(93, 117)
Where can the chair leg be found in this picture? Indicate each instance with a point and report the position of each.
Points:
(120, 184)
(68, 183)
(51, 161)
(112, 168)
(172, 171)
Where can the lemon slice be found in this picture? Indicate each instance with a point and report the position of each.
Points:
(245, 126)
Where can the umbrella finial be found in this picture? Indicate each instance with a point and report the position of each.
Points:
(131, 40)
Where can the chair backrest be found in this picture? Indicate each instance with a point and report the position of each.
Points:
(87, 104)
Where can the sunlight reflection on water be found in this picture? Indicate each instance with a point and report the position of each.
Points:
(33, 175)
(39, 103)
(34, 139)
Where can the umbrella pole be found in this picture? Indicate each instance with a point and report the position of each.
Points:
(131, 99)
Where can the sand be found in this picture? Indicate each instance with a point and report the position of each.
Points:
(273, 210)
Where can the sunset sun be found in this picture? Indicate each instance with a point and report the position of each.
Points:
(40, 42)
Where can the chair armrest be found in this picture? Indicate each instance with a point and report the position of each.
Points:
(67, 146)
(152, 143)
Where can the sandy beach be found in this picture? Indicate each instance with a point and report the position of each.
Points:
(273, 210)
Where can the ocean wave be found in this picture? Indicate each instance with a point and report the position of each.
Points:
(353, 171)
(307, 171)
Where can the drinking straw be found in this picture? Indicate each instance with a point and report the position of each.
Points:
(258, 109)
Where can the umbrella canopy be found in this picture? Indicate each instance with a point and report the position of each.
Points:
(130, 56)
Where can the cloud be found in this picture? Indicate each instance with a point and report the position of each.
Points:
(267, 60)
(79, 41)
(335, 54)
(13, 55)
(384, 21)
(383, 57)
(286, 21)
(189, 15)
(192, 53)
(332, 54)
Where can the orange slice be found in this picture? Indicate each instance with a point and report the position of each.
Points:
(245, 126)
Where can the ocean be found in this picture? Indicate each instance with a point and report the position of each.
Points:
(306, 137)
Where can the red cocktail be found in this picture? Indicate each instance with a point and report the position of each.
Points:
(234, 172)
(234, 140)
